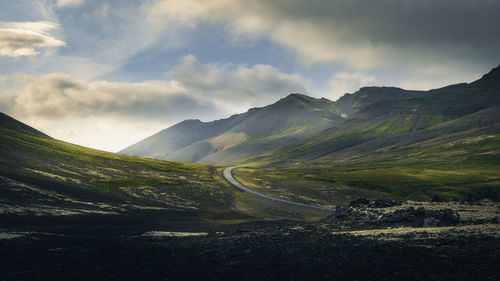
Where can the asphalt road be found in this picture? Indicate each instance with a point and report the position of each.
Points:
(228, 175)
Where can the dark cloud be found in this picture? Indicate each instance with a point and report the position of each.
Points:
(362, 34)
(460, 26)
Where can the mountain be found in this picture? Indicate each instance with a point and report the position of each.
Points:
(457, 112)
(489, 80)
(349, 104)
(240, 136)
(301, 128)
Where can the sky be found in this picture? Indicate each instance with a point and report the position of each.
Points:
(108, 73)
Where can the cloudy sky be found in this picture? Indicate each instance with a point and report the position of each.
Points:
(107, 73)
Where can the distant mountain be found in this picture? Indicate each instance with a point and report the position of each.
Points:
(432, 118)
(240, 136)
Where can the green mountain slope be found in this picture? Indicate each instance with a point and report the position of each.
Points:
(44, 180)
(43, 176)
(446, 142)
(449, 110)
(240, 136)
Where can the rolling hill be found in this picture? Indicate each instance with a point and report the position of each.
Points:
(44, 177)
(45, 181)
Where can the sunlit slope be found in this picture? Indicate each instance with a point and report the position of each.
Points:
(44, 177)
(40, 175)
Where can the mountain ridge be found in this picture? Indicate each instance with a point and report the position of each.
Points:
(408, 118)
(282, 121)
(298, 124)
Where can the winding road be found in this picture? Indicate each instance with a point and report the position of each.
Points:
(228, 175)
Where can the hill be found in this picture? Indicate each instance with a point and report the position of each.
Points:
(240, 136)
(43, 176)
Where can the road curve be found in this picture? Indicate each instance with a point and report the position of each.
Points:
(228, 175)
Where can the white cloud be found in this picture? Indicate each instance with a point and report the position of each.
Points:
(23, 38)
(348, 82)
(237, 86)
(56, 96)
(69, 3)
(103, 115)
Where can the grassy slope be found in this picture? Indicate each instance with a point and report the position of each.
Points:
(43, 176)
(446, 143)
(456, 169)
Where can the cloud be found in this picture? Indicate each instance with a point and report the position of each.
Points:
(69, 3)
(236, 85)
(195, 89)
(348, 82)
(55, 102)
(23, 38)
(60, 96)
(359, 34)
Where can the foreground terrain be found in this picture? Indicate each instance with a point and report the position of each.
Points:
(411, 241)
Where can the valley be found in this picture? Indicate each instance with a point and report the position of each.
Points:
(322, 190)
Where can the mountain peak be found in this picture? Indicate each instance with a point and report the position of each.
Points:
(240, 136)
(297, 96)
(192, 121)
(490, 79)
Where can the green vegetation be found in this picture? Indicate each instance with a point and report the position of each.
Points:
(408, 182)
(49, 176)
(52, 177)
(451, 165)
(240, 136)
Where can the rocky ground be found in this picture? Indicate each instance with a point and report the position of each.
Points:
(365, 240)
(366, 214)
